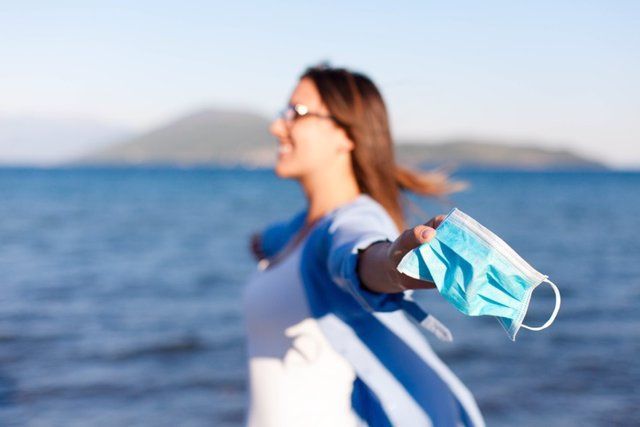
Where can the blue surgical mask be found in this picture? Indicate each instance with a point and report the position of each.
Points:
(478, 272)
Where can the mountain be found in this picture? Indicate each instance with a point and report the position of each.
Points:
(231, 138)
(482, 154)
(40, 140)
(209, 136)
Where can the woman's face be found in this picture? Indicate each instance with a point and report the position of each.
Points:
(309, 145)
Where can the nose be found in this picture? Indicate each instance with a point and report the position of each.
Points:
(278, 128)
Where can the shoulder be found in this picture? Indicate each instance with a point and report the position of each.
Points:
(364, 213)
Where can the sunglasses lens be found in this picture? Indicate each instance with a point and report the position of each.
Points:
(287, 114)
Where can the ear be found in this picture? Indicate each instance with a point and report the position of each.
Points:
(349, 145)
(346, 143)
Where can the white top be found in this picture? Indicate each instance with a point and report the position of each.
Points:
(295, 376)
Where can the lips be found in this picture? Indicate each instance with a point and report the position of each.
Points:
(285, 149)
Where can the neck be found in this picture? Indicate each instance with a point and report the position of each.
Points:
(327, 192)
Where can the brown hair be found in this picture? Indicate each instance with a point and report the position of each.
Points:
(357, 105)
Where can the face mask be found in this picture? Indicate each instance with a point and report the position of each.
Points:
(477, 272)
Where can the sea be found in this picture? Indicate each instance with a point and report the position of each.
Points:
(120, 295)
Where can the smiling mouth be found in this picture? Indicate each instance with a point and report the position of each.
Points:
(284, 149)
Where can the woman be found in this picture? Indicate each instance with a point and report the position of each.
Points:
(333, 334)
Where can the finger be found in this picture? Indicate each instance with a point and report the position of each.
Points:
(410, 239)
(435, 222)
(438, 220)
(425, 234)
(411, 283)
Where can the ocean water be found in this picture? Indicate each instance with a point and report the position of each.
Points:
(120, 295)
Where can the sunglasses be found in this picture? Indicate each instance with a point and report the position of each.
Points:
(293, 112)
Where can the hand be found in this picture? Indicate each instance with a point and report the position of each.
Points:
(407, 241)
(255, 247)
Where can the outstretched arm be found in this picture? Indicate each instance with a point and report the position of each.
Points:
(255, 246)
(377, 264)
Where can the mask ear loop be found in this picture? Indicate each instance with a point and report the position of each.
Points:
(555, 310)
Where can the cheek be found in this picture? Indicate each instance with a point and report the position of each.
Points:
(302, 134)
(312, 144)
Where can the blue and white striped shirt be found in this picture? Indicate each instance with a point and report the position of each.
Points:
(400, 380)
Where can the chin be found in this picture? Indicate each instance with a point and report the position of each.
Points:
(283, 172)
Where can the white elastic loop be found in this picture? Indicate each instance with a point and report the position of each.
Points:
(436, 327)
(555, 310)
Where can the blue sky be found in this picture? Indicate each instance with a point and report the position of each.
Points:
(562, 73)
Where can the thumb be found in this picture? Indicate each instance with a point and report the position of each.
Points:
(411, 239)
(423, 233)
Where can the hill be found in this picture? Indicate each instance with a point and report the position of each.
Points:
(232, 138)
(482, 154)
(206, 137)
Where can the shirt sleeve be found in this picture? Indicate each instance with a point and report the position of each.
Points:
(349, 235)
